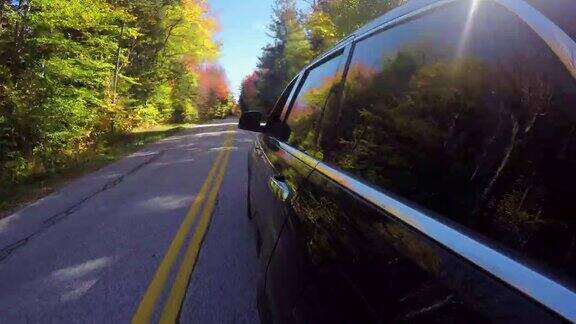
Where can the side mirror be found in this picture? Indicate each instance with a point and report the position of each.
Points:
(250, 120)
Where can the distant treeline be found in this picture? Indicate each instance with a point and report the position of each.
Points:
(72, 72)
(298, 37)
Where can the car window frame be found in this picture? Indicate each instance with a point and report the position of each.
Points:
(304, 76)
(343, 50)
(285, 97)
(372, 193)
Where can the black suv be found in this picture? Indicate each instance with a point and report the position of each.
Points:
(423, 170)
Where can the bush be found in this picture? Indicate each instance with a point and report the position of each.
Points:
(147, 115)
(189, 113)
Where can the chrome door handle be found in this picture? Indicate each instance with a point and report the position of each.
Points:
(280, 188)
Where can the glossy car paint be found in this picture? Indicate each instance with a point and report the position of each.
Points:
(341, 250)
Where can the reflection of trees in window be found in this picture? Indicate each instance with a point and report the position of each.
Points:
(485, 137)
(307, 109)
(379, 255)
(527, 196)
(404, 139)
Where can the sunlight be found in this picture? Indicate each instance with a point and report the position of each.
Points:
(82, 269)
(213, 134)
(78, 291)
(220, 149)
(143, 154)
(167, 202)
(183, 161)
(74, 281)
(467, 28)
(7, 222)
(214, 125)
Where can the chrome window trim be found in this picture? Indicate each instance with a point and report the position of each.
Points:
(308, 160)
(556, 39)
(533, 284)
(530, 282)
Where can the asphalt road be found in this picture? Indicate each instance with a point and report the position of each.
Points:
(159, 235)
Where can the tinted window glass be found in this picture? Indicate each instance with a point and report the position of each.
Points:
(562, 12)
(466, 112)
(307, 109)
(283, 101)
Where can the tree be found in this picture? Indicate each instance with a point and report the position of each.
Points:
(74, 71)
(213, 92)
(58, 62)
(249, 93)
(297, 50)
(175, 38)
(346, 16)
(297, 38)
(322, 31)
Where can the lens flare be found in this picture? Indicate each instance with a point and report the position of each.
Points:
(467, 28)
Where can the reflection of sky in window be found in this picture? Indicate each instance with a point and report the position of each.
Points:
(315, 79)
(443, 33)
(322, 72)
(448, 26)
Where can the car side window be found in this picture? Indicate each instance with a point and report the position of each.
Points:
(306, 110)
(281, 107)
(467, 112)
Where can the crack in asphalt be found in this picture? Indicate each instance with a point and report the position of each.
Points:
(60, 216)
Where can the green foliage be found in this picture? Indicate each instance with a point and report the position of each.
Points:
(298, 38)
(161, 100)
(323, 32)
(349, 15)
(189, 113)
(72, 72)
(109, 148)
(297, 49)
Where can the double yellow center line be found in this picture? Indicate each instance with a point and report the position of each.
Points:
(206, 198)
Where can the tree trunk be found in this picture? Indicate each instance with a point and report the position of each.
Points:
(505, 160)
(117, 68)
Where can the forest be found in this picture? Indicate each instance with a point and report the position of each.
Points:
(75, 73)
(298, 36)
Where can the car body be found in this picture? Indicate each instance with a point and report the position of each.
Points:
(422, 170)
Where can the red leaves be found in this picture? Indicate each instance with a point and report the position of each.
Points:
(212, 84)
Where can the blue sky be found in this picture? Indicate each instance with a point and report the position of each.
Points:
(243, 34)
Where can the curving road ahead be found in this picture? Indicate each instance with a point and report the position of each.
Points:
(160, 235)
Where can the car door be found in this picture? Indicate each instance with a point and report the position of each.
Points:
(264, 207)
(287, 270)
(442, 196)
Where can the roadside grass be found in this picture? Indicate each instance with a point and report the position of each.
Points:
(112, 149)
